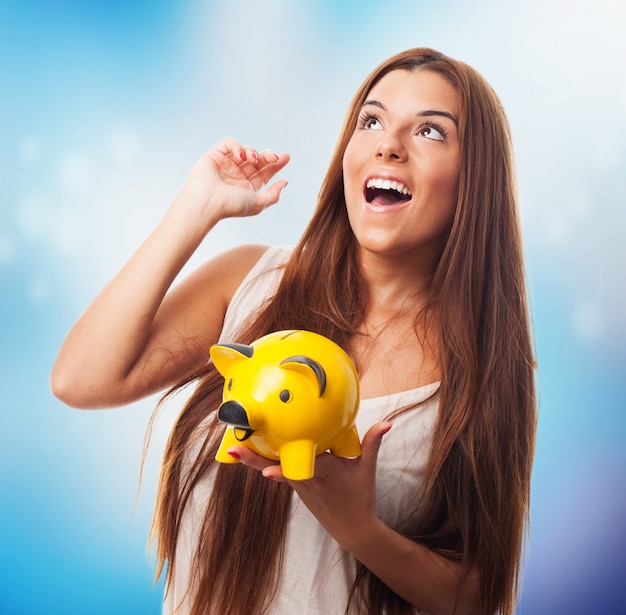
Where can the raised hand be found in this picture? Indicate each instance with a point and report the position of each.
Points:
(230, 178)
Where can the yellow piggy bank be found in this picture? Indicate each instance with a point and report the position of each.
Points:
(290, 395)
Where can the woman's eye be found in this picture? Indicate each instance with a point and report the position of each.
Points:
(430, 132)
(369, 122)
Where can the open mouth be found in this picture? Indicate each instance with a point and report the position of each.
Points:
(385, 192)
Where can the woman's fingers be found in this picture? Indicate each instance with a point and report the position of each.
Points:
(250, 159)
(270, 469)
(265, 168)
(250, 458)
(271, 195)
(274, 472)
(234, 149)
(231, 178)
(256, 167)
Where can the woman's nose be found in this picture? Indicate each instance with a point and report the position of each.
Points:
(390, 147)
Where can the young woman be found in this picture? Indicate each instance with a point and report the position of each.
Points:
(413, 263)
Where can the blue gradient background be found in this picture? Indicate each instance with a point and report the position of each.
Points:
(105, 106)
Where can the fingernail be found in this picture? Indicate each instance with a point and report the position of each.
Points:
(386, 430)
(234, 455)
(242, 155)
(255, 156)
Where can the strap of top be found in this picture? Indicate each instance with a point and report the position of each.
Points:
(257, 287)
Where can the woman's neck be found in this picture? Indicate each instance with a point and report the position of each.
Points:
(397, 285)
(396, 347)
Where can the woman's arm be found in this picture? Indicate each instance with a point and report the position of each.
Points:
(342, 495)
(138, 337)
(423, 578)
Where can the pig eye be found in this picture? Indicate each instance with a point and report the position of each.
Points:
(286, 396)
(230, 384)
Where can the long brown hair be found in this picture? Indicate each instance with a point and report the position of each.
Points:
(474, 502)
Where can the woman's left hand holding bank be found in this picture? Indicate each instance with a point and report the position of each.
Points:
(341, 494)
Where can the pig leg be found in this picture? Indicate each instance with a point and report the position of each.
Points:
(297, 459)
(348, 446)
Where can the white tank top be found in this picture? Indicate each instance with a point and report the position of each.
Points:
(317, 573)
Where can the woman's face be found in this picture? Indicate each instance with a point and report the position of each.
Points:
(401, 165)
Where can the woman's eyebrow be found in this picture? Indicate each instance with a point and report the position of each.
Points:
(375, 103)
(427, 113)
(432, 112)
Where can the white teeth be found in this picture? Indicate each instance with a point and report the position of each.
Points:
(387, 184)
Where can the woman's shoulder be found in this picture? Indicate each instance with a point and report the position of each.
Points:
(262, 270)
(238, 261)
(225, 272)
(247, 262)
(241, 260)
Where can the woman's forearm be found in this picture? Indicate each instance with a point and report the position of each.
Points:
(342, 496)
(103, 349)
(423, 578)
(137, 337)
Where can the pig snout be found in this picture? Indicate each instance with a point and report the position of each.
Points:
(233, 413)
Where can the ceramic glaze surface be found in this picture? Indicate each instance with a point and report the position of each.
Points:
(290, 396)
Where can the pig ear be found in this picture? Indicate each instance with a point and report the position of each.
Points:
(224, 355)
(307, 367)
